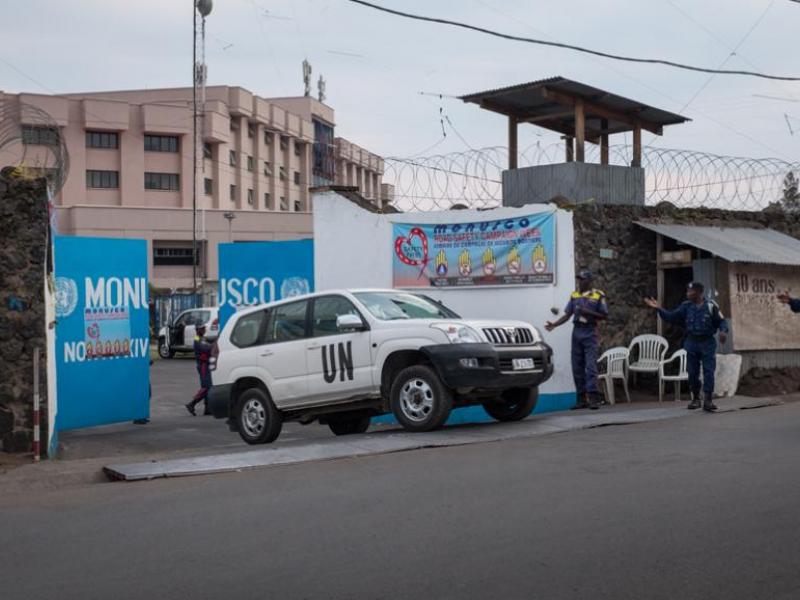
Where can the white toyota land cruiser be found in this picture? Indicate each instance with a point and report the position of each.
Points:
(342, 357)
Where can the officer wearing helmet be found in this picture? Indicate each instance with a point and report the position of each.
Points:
(586, 307)
(701, 318)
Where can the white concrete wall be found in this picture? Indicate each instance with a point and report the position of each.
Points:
(353, 248)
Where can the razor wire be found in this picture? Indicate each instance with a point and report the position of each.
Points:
(31, 144)
(684, 178)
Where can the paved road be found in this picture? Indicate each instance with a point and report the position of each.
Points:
(171, 429)
(698, 508)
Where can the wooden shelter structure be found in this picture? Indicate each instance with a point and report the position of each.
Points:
(581, 113)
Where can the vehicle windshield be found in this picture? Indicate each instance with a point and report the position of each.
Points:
(393, 306)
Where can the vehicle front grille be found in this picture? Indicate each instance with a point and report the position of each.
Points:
(502, 336)
(506, 365)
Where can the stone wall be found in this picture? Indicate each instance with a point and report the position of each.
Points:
(631, 275)
(23, 231)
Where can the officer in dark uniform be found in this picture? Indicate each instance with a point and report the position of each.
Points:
(202, 354)
(794, 303)
(586, 307)
(701, 318)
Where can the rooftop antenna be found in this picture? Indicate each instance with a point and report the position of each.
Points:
(321, 89)
(307, 77)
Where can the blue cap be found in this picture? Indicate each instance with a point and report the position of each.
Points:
(585, 274)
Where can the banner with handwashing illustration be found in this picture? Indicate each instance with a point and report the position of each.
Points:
(513, 251)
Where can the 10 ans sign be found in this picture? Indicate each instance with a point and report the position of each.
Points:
(758, 320)
(253, 273)
(102, 331)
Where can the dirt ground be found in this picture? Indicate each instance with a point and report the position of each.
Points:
(770, 382)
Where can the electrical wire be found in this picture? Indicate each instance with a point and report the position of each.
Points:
(573, 47)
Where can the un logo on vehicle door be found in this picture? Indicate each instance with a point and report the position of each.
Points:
(66, 296)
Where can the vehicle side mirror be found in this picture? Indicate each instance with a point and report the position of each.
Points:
(349, 323)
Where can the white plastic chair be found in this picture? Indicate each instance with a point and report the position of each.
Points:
(649, 351)
(615, 369)
(681, 375)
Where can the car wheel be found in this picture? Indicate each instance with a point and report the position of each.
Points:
(164, 351)
(419, 399)
(512, 405)
(350, 425)
(258, 419)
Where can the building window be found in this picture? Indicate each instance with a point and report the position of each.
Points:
(162, 181)
(251, 130)
(208, 186)
(102, 179)
(208, 150)
(174, 256)
(250, 163)
(233, 192)
(40, 136)
(161, 143)
(234, 124)
(284, 203)
(267, 169)
(282, 173)
(284, 142)
(298, 206)
(232, 158)
(267, 201)
(267, 137)
(298, 147)
(297, 177)
(250, 197)
(102, 139)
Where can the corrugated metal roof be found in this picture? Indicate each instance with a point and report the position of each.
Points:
(735, 244)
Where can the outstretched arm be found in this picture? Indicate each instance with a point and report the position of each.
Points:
(794, 303)
(670, 316)
(550, 325)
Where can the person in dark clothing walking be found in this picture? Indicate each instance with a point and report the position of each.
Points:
(586, 307)
(701, 318)
(202, 354)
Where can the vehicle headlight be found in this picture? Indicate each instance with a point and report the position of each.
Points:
(537, 335)
(458, 334)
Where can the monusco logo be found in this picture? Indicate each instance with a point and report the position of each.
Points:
(250, 291)
(114, 292)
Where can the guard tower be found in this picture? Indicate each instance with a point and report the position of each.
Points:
(581, 114)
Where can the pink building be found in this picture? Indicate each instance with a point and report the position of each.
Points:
(130, 155)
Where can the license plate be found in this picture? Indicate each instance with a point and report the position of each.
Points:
(522, 364)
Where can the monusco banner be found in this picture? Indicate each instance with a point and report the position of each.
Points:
(102, 331)
(253, 273)
(513, 251)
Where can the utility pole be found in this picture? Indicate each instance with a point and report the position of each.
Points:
(203, 8)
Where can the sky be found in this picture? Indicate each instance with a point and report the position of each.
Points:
(376, 65)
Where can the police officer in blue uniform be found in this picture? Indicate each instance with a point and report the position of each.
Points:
(701, 318)
(586, 307)
(794, 303)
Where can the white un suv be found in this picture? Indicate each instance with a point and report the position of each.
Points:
(342, 357)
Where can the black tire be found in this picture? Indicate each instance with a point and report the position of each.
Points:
(259, 422)
(163, 350)
(419, 400)
(512, 405)
(349, 425)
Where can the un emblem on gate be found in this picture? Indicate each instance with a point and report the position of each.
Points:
(66, 296)
(294, 286)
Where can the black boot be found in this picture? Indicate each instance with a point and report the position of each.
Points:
(695, 403)
(708, 403)
(206, 410)
(594, 401)
(190, 407)
(581, 403)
